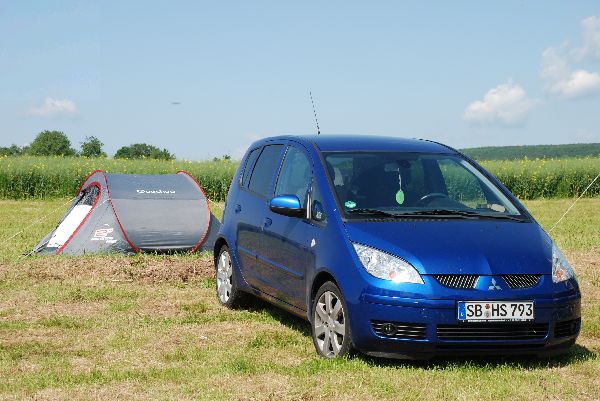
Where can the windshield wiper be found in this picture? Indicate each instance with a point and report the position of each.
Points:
(434, 212)
(462, 213)
(373, 212)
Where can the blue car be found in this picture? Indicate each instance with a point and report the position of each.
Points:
(393, 247)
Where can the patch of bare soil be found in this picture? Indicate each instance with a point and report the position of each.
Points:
(141, 268)
(163, 268)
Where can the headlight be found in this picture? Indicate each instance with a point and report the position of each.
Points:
(561, 269)
(385, 266)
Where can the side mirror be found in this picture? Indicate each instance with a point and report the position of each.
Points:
(287, 205)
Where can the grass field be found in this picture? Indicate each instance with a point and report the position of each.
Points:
(27, 177)
(55, 177)
(150, 327)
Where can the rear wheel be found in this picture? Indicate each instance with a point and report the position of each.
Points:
(228, 292)
(330, 324)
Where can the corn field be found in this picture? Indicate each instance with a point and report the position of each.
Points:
(547, 178)
(25, 177)
(54, 177)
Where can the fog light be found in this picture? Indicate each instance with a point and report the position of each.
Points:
(389, 329)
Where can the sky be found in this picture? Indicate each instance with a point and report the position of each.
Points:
(204, 79)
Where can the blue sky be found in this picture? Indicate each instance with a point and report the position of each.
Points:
(464, 73)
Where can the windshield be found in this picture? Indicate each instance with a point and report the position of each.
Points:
(399, 183)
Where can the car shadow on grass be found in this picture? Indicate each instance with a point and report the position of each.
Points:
(577, 354)
(286, 318)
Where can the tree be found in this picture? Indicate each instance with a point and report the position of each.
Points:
(51, 143)
(143, 151)
(13, 150)
(92, 147)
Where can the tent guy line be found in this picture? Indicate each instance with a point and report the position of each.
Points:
(40, 220)
(573, 204)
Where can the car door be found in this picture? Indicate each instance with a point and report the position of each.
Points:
(250, 208)
(286, 245)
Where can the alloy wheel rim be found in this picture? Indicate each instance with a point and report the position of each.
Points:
(224, 277)
(330, 324)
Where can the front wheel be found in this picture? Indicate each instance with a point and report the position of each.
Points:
(227, 289)
(330, 324)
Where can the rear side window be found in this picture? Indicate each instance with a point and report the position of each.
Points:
(250, 160)
(264, 169)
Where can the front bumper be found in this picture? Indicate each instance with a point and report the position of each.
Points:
(422, 328)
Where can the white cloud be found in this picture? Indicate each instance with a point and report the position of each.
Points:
(54, 107)
(579, 84)
(507, 104)
(591, 39)
(560, 78)
(554, 65)
(584, 135)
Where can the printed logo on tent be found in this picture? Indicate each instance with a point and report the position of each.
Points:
(157, 191)
(102, 234)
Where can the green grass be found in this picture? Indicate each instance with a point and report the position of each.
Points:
(18, 215)
(27, 177)
(150, 327)
(579, 230)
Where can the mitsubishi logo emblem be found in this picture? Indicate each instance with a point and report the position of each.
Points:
(494, 286)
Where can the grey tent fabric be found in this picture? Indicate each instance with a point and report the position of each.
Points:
(131, 213)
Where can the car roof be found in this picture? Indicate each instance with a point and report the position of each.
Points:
(333, 143)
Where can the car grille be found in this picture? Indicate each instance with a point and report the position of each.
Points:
(463, 281)
(566, 329)
(521, 280)
(492, 331)
(410, 331)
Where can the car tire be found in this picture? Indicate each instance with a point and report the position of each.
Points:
(330, 323)
(228, 292)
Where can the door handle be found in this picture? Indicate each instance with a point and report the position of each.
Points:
(238, 208)
(268, 222)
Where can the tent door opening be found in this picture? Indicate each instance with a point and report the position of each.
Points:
(75, 217)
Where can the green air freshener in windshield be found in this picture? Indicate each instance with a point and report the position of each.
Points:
(400, 197)
(350, 204)
(400, 193)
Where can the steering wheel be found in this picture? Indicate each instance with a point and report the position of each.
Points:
(431, 196)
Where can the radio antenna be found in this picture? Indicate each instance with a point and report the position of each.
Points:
(315, 113)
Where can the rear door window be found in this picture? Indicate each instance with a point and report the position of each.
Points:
(250, 160)
(264, 169)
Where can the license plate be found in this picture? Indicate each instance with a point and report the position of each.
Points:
(496, 311)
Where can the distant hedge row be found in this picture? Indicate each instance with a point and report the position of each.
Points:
(52, 177)
(534, 151)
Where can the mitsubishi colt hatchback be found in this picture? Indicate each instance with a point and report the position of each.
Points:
(393, 247)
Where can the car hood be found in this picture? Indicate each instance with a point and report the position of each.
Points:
(483, 247)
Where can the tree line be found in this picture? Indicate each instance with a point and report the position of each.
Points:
(534, 151)
(56, 143)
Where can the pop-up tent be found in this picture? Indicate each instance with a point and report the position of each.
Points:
(132, 213)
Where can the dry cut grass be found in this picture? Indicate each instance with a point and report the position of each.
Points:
(150, 327)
